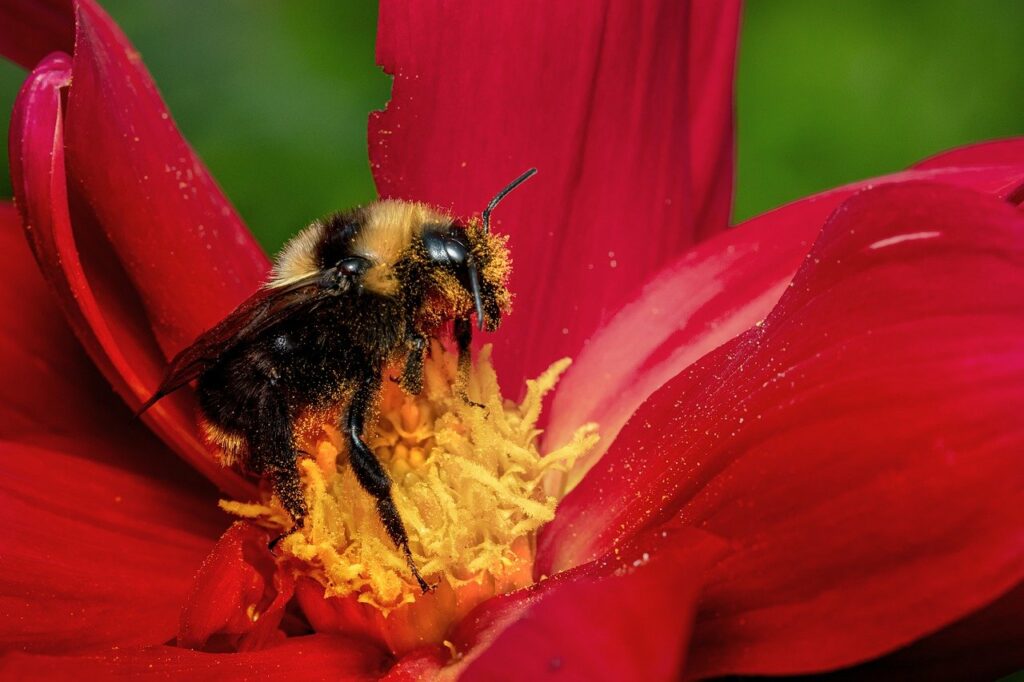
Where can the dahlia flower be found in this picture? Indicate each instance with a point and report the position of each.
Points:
(789, 446)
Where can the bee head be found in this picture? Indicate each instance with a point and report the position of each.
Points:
(478, 259)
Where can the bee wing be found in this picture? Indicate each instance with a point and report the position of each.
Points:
(259, 312)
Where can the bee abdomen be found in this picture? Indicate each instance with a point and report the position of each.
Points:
(230, 448)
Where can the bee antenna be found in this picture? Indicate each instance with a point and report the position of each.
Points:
(502, 194)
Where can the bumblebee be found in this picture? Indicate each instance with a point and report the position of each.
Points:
(349, 296)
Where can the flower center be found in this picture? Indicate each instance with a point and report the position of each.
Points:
(467, 481)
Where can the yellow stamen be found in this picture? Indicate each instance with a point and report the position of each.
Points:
(467, 483)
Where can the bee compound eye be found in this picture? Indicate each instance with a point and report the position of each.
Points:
(456, 251)
(353, 265)
(434, 243)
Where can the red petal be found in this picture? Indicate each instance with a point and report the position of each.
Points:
(984, 646)
(1005, 154)
(424, 664)
(103, 526)
(32, 29)
(1009, 152)
(181, 244)
(705, 298)
(318, 657)
(165, 216)
(89, 281)
(717, 290)
(632, 136)
(628, 618)
(858, 449)
(49, 386)
(156, 253)
(624, 617)
(239, 595)
(98, 550)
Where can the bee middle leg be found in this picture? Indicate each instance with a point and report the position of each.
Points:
(372, 476)
(412, 374)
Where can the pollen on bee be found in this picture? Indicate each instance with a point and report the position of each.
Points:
(468, 481)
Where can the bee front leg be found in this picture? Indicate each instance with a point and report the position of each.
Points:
(412, 375)
(462, 329)
(372, 476)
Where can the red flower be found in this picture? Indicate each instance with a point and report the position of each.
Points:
(812, 418)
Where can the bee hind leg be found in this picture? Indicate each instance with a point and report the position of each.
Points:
(372, 476)
(272, 453)
(287, 485)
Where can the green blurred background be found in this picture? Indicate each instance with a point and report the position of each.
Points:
(274, 94)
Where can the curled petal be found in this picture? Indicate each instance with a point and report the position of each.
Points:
(239, 595)
(184, 250)
(858, 449)
(721, 288)
(50, 387)
(632, 137)
(141, 184)
(132, 232)
(317, 657)
(90, 284)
